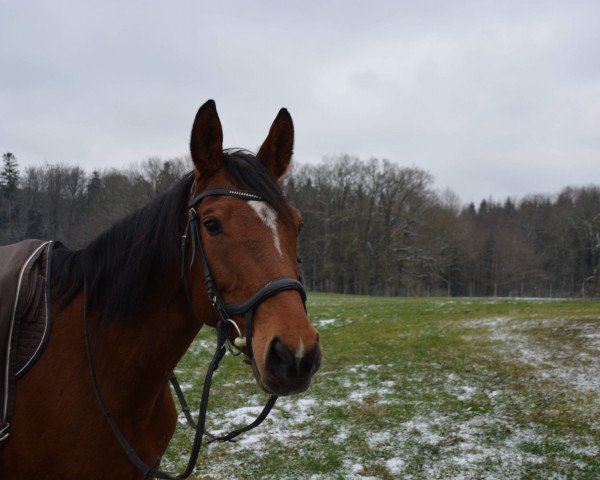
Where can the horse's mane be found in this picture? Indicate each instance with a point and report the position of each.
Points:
(123, 263)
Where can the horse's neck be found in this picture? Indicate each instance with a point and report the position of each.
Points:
(134, 360)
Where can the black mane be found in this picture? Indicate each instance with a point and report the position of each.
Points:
(122, 264)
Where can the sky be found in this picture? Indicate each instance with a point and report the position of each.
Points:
(494, 99)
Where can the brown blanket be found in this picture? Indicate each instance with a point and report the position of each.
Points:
(24, 315)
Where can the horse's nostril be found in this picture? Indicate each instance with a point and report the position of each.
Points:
(280, 359)
(311, 361)
(283, 364)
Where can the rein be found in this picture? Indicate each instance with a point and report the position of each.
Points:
(224, 323)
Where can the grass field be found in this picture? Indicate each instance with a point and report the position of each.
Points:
(418, 389)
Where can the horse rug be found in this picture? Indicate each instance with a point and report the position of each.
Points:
(24, 316)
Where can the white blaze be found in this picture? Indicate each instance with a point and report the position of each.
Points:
(300, 352)
(269, 218)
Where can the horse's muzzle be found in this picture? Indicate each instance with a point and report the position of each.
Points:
(289, 372)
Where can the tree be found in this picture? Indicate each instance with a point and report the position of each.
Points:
(94, 185)
(9, 207)
(9, 176)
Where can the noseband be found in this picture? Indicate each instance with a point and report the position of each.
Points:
(224, 323)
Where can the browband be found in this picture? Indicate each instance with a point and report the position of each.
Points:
(222, 191)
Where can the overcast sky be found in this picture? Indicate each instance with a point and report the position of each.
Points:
(492, 98)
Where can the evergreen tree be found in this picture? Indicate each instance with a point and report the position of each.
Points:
(9, 209)
(94, 186)
(9, 176)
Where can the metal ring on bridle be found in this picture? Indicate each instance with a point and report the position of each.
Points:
(232, 347)
(235, 325)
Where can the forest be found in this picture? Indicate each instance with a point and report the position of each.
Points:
(372, 227)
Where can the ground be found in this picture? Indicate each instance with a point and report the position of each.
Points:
(418, 389)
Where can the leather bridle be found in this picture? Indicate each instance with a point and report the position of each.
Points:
(224, 323)
(226, 311)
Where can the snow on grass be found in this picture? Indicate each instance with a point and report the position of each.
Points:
(443, 445)
(465, 399)
(325, 322)
(329, 322)
(287, 420)
(463, 446)
(202, 345)
(574, 364)
(395, 465)
(460, 391)
(185, 386)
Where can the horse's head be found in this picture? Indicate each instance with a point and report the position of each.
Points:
(250, 243)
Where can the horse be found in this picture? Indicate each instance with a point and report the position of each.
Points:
(123, 297)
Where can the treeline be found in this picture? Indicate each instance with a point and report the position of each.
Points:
(371, 227)
(66, 203)
(377, 228)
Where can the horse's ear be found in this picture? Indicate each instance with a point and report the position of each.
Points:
(276, 151)
(206, 144)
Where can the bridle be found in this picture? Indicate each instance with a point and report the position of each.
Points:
(224, 324)
(226, 311)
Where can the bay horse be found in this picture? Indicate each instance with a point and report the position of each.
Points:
(126, 288)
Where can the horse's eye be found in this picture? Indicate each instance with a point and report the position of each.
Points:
(213, 227)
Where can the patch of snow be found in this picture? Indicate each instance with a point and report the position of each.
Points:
(377, 439)
(491, 323)
(361, 369)
(185, 386)
(564, 363)
(325, 322)
(467, 392)
(462, 392)
(342, 434)
(394, 465)
(589, 451)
